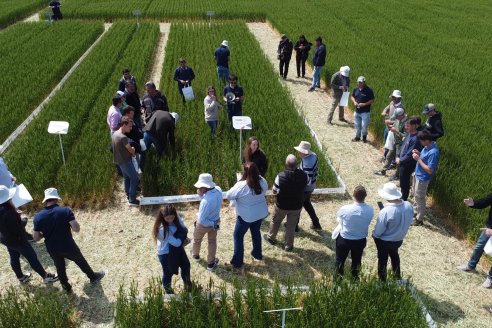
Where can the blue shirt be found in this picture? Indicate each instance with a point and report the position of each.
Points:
(222, 55)
(53, 223)
(409, 144)
(309, 165)
(210, 205)
(235, 107)
(5, 175)
(362, 96)
(163, 242)
(249, 206)
(430, 156)
(355, 220)
(394, 221)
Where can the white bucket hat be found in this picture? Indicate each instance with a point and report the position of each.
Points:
(51, 193)
(6, 194)
(175, 117)
(396, 94)
(389, 191)
(304, 147)
(205, 180)
(345, 71)
(225, 43)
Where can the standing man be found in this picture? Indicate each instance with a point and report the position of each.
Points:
(433, 125)
(127, 77)
(183, 75)
(362, 97)
(302, 48)
(319, 59)
(404, 158)
(153, 100)
(207, 219)
(158, 130)
(55, 7)
(114, 114)
(391, 228)
(309, 164)
(482, 240)
(55, 224)
(289, 188)
(427, 161)
(284, 54)
(222, 56)
(340, 82)
(133, 99)
(123, 154)
(234, 97)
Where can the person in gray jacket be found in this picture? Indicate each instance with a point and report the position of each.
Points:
(340, 82)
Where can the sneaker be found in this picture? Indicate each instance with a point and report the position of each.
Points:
(316, 227)
(393, 178)
(288, 248)
(342, 120)
(364, 139)
(417, 223)
(380, 172)
(269, 239)
(466, 268)
(487, 283)
(50, 278)
(67, 288)
(195, 257)
(355, 139)
(311, 89)
(213, 266)
(382, 159)
(98, 276)
(134, 203)
(25, 278)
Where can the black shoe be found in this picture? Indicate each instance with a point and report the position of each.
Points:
(380, 172)
(67, 288)
(364, 139)
(213, 266)
(269, 240)
(25, 278)
(316, 227)
(134, 203)
(97, 277)
(311, 89)
(393, 178)
(356, 139)
(288, 248)
(417, 223)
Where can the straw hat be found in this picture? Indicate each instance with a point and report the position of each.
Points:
(6, 194)
(205, 180)
(389, 191)
(304, 147)
(51, 193)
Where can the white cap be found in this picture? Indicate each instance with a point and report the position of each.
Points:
(345, 71)
(361, 79)
(205, 180)
(225, 43)
(51, 193)
(396, 94)
(389, 191)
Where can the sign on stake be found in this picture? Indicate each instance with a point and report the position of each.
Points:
(59, 127)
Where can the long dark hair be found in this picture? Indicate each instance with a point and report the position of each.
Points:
(247, 153)
(252, 177)
(167, 210)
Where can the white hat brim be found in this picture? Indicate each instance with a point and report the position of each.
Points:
(388, 196)
(11, 194)
(302, 150)
(201, 184)
(50, 197)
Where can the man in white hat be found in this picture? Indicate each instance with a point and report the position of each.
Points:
(208, 219)
(392, 225)
(340, 82)
(55, 224)
(362, 98)
(309, 164)
(222, 56)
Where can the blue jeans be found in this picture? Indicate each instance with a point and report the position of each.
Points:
(131, 180)
(222, 73)
(239, 231)
(213, 127)
(385, 134)
(167, 275)
(478, 250)
(317, 76)
(25, 249)
(361, 122)
(149, 140)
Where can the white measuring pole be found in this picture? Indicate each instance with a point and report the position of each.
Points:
(283, 313)
(61, 147)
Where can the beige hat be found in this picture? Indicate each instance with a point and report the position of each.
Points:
(205, 180)
(389, 191)
(361, 79)
(304, 147)
(51, 193)
(225, 43)
(396, 94)
(6, 194)
(345, 71)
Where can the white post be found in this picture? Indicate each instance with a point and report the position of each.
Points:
(283, 313)
(240, 144)
(283, 319)
(61, 147)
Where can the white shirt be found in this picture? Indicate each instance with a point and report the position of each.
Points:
(249, 206)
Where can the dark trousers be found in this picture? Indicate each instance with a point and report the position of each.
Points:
(301, 66)
(25, 249)
(284, 67)
(405, 179)
(167, 274)
(355, 247)
(308, 206)
(75, 256)
(385, 249)
(239, 231)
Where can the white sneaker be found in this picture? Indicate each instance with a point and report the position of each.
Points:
(487, 283)
(466, 268)
(50, 278)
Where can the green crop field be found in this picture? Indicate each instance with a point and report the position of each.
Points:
(12, 10)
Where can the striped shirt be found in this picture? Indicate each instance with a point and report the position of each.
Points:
(309, 165)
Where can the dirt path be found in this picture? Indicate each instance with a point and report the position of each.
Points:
(155, 76)
(33, 18)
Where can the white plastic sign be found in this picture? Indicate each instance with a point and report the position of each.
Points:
(242, 122)
(344, 99)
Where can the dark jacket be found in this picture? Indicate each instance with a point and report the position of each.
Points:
(483, 203)
(122, 83)
(284, 50)
(302, 53)
(161, 127)
(319, 56)
(177, 255)
(152, 104)
(12, 232)
(135, 135)
(337, 80)
(434, 126)
(261, 161)
(185, 74)
(291, 185)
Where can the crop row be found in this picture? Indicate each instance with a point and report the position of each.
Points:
(13, 10)
(274, 118)
(48, 52)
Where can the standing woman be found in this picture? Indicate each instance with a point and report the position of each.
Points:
(251, 208)
(169, 232)
(212, 107)
(253, 153)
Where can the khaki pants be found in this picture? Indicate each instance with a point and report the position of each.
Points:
(198, 234)
(420, 191)
(292, 219)
(337, 96)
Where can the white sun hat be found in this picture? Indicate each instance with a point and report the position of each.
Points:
(396, 94)
(175, 117)
(225, 43)
(389, 191)
(345, 71)
(51, 193)
(304, 147)
(6, 194)
(205, 180)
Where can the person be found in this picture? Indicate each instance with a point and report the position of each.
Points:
(482, 239)
(7, 179)
(13, 236)
(127, 77)
(404, 158)
(427, 161)
(55, 224)
(319, 58)
(392, 225)
(388, 111)
(123, 154)
(153, 100)
(309, 164)
(248, 195)
(302, 48)
(354, 221)
(207, 218)
(114, 114)
(55, 7)
(234, 104)
(284, 54)
(340, 82)
(159, 130)
(289, 189)
(133, 99)
(433, 125)
(362, 97)
(222, 56)
(183, 75)
(212, 107)
(169, 233)
(253, 153)
(135, 135)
